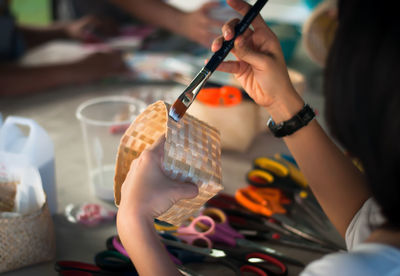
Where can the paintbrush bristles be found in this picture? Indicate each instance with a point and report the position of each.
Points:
(177, 110)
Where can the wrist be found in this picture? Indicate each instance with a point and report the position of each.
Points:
(288, 127)
(180, 26)
(132, 219)
(285, 107)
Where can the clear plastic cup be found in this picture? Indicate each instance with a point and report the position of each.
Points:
(104, 121)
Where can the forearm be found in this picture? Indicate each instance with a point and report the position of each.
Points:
(34, 36)
(154, 12)
(145, 249)
(17, 80)
(338, 185)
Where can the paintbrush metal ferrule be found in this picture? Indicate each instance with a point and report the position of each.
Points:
(183, 102)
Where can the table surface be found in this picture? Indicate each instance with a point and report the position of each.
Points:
(55, 111)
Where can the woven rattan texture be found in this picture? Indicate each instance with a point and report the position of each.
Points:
(192, 153)
(26, 240)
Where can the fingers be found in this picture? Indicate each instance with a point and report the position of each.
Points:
(228, 30)
(217, 43)
(232, 67)
(244, 51)
(205, 11)
(242, 7)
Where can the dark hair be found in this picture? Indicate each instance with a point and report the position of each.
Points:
(362, 90)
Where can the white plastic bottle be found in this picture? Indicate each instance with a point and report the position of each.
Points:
(36, 147)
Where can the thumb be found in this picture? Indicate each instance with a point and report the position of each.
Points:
(184, 190)
(157, 148)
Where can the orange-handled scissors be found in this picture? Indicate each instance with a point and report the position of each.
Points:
(220, 96)
(265, 201)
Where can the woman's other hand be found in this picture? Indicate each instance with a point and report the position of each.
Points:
(199, 26)
(91, 29)
(147, 191)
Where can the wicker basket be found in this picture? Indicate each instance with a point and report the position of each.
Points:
(192, 153)
(26, 239)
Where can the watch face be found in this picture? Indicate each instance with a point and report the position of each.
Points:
(270, 122)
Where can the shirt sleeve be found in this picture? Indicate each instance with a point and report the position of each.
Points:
(333, 265)
(12, 44)
(363, 223)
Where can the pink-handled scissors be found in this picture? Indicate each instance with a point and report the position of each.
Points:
(197, 231)
(224, 233)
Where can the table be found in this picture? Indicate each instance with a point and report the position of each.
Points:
(55, 111)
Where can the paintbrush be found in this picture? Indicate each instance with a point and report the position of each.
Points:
(178, 109)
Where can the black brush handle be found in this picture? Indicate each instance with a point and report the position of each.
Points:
(227, 45)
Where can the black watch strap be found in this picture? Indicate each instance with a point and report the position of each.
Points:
(301, 119)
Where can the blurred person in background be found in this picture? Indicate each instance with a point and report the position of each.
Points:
(16, 39)
(197, 26)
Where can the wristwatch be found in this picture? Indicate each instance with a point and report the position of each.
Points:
(301, 119)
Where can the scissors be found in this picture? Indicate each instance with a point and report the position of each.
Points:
(225, 234)
(194, 233)
(294, 171)
(107, 263)
(230, 206)
(254, 202)
(68, 268)
(265, 201)
(314, 212)
(238, 260)
(180, 254)
(110, 260)
(252, 227)
(285, 174)
(268, 172)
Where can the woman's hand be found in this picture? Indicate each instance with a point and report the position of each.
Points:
(147, 191)
(199, 26)
(260, 65)
(91, 29)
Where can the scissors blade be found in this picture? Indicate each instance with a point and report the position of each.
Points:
(285, 240)
(185, 246)
(269, 250)
(312, 238)
(187, 271)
